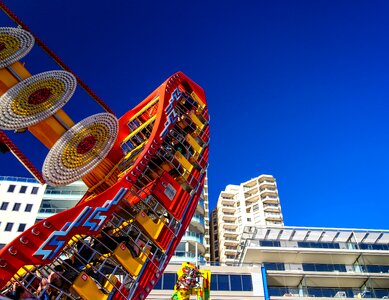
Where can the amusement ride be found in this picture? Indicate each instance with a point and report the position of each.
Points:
(144, 171)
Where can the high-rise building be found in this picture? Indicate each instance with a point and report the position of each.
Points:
(252, 203)
(319, 262)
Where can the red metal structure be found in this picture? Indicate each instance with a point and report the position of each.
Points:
(145, 172)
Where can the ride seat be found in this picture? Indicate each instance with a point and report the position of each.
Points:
(87, 288)
(152, 228)
(132, 264)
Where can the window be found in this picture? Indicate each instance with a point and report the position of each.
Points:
(11, 188)
(28, 208)
(4, 206)
(22, 227)
(23, 189)
(169, 280)
(318, 245)
(9, 226)
(270, 243)
(35, 190)
(16, 207)
(274, 266)
(223, 282)
(236, 282)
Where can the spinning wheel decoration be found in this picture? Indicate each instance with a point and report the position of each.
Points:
(80, 149)
(35, 99)
(15, 43)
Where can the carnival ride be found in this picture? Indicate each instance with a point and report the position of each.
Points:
(192, 281)
(145, 172)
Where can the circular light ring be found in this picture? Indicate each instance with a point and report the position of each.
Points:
(35, 99)
(15, 43)
(80, 149)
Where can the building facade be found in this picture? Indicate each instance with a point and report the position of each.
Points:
(58, 199)
(319, 262)
(20, 199)
(252, 203)
(195, 244)
(227, 283)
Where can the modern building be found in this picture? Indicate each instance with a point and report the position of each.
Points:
(20, 199)
(319, 262)
(195, 244)
(57, 199)
(252, 203)
(227, 283)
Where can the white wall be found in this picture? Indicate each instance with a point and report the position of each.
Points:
(14, 216)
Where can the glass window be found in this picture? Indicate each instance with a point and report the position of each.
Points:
(236, 282)
(28, 208)
(4, 206)
(169, 280)
(247, 283)
(223, 283)
(9, 226)
(158, 285)
(35, 190)
(213, 282)
(16, 207)
(23, 189)
(270, 243)
(11, 188)
(22, 227)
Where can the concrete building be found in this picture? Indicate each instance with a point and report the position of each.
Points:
(231, 283)
(252, 203)
(20, 199)
(319, 262)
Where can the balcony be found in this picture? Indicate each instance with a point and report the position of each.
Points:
(231, 251)
(230, 233)
(249, 184)
(271, 208)
(270, 200)
(231, 241)
(198, 222)
(228, 225)
(268, 192)
(252, 199)
(327, 279)
(228, 208)
(273, 217)
(227, 201)
(227, 216)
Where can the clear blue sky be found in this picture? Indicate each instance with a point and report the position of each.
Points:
(296, 89)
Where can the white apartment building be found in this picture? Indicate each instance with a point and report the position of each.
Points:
(304, 262)
(252, 203)
(20, 199)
